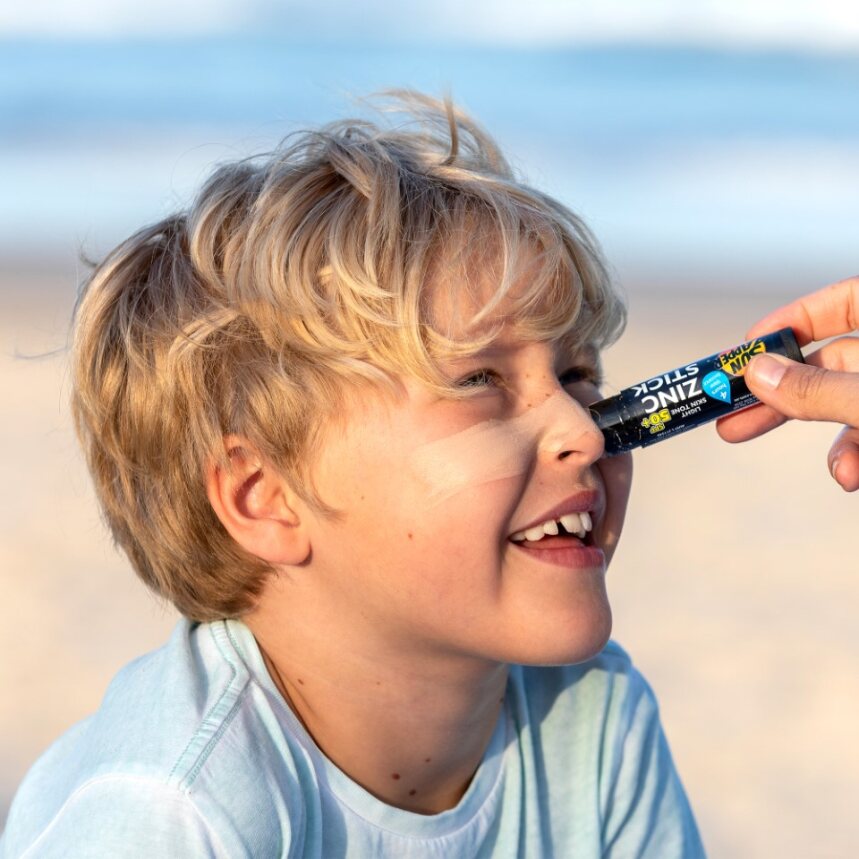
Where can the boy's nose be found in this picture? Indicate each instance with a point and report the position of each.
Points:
(569, 430)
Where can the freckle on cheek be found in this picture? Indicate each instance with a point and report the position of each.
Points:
(395, 776)
(300, 681)
(411, 536)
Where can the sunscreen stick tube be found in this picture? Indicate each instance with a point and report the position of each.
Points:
(686, 397)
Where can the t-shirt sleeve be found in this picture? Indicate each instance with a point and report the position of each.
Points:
(648, 814)
(124, 817)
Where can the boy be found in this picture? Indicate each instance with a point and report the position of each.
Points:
(337, 414)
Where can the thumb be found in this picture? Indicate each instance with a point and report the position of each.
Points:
(804, 391)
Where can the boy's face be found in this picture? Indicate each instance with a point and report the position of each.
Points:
(432, 490)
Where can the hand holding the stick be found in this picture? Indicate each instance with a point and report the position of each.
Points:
(826, 388)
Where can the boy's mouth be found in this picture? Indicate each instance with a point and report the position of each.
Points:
(570, 529)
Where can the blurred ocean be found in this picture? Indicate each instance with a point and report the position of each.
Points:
(728, 166)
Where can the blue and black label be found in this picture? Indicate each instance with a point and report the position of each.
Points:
(686, 397)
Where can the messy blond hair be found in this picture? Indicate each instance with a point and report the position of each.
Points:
(291, 278)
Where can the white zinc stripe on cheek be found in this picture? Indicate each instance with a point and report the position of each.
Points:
(491, 450)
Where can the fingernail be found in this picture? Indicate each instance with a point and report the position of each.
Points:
(833, 469)
(767, 370)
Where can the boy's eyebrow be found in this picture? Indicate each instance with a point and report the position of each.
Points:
(587, 352)
(486, 352)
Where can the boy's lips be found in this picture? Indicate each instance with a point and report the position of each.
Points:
(585, 501)
(575, 554)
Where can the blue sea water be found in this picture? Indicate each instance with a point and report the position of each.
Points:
(681, 159)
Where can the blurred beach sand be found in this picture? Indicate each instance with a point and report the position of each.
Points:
(734, 588)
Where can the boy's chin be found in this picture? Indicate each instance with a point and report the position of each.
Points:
(571, 646)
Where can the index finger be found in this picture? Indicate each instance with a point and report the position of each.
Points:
(829, 311)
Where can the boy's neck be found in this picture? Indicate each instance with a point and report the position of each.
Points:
(413, 737)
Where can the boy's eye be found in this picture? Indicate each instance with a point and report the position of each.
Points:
(478, 379)
(580, 374)
(486, 376)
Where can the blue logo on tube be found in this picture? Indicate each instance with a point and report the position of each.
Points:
(717, 386)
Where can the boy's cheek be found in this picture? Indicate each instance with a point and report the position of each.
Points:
(616, 473)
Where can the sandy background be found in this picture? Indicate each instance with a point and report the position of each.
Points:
(735, 587)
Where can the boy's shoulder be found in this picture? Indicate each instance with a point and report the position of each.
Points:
(585, 713)
(598, 740)
(173, 724)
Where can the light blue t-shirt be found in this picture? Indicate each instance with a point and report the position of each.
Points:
(195, 753)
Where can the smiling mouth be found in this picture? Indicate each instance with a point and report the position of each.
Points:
(570, 551)
(573, 529)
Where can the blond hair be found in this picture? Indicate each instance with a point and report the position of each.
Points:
(291, 278)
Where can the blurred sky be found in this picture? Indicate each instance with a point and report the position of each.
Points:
(711, 141)
(824, 24)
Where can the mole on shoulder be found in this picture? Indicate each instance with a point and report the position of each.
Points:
(395, 776)
(412, 792)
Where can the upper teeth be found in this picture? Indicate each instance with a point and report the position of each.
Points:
(576, 523)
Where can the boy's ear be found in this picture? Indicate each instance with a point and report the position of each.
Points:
(255, 505)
